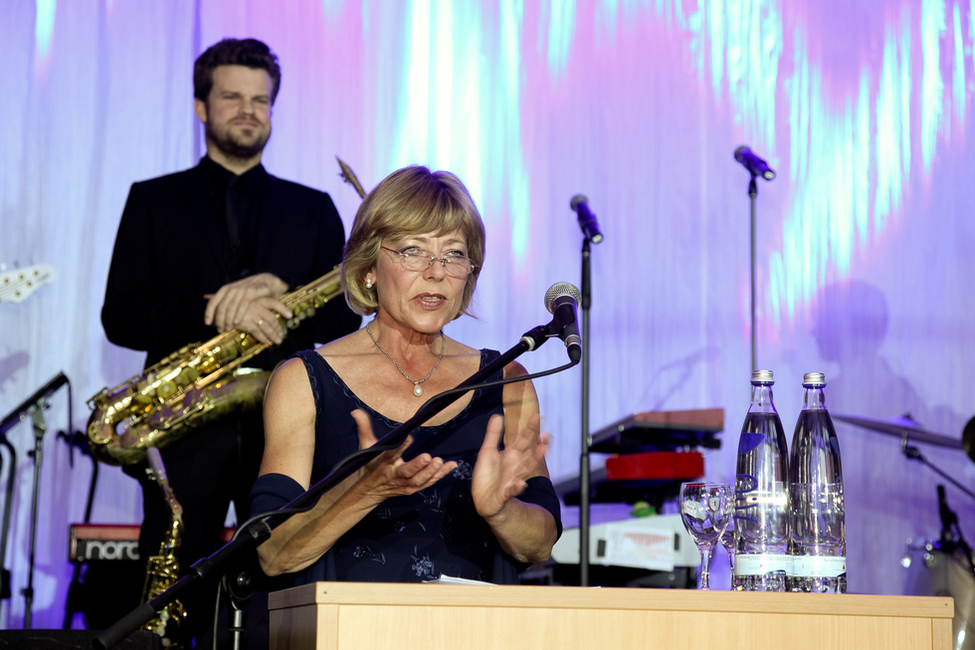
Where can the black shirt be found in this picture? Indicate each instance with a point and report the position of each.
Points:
(236, 202)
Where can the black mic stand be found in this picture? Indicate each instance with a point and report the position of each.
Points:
(752, 196)
(8, 506)
(251, 535)
(76, 598)
(36, 413)
(584, 472)
(34, 407)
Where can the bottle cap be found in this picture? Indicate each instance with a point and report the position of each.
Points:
(814, 379)
(762, 377)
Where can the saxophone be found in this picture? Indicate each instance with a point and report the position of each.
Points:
(197, 384)
(163, 569)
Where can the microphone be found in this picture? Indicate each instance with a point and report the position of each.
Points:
(562, 300)
(587, 220)
(34, 400)
(755, 165)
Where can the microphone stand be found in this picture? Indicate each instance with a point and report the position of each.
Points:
(8, 506)
(251, 535)
(75, 600)
(34, 407)
(752, 196)
(584, 472)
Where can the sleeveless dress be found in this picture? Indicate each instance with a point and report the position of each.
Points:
(410, 538)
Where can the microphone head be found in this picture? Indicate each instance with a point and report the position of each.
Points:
(558, 290)
(577, 199)
(741, 150)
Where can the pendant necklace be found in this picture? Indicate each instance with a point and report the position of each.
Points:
(417, 389)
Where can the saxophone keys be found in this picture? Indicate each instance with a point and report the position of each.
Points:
(166, 389)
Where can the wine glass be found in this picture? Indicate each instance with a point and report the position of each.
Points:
(706, 510)
(727, 540)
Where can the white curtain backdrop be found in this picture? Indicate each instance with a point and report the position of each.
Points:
(864, 239)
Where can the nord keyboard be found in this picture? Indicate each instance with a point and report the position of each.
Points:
(93, 542)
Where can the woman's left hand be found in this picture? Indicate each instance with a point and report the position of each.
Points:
(500, 476)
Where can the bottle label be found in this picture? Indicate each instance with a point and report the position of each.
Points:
(760, 565)
(818, 566)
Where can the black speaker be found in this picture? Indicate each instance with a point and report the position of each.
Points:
(72, 639)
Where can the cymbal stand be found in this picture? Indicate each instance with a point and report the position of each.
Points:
(914, 453)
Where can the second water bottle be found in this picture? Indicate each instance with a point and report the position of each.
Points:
(762, 495)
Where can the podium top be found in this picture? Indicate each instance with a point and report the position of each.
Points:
(524, 596)
(661, 431)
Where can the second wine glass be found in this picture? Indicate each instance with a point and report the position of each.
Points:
(728, 541)
(706, 510)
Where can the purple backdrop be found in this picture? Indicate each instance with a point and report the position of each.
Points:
(863, 238)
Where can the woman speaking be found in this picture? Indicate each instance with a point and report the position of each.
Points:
(468, 494)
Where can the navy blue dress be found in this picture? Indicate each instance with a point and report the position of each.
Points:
(409, 538)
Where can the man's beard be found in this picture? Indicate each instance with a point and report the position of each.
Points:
(232, 146)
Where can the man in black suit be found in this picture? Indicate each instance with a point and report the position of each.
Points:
(213, 249)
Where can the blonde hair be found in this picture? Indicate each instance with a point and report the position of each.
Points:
(410, 201)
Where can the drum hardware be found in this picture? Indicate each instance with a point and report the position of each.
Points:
(951, 536)
(945, 566)
(933, 570)
(968, 438)
(907, 430)
(914, 453)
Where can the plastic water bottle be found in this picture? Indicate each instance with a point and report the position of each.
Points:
(818, 512)
(762, 562)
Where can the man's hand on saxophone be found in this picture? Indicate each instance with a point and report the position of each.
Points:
(249, 304)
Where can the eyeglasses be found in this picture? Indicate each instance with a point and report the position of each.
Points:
(416, 259)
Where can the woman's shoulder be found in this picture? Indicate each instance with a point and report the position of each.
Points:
(289, 374)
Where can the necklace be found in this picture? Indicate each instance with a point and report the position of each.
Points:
(417, 389)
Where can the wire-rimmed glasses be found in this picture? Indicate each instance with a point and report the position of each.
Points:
(416, 259)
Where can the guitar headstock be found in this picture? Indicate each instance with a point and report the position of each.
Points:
(17, 285)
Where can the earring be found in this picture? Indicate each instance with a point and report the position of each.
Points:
(368, 283)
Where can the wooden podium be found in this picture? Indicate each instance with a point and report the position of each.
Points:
(357, 616)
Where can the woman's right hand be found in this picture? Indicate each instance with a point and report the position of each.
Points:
(388, 475)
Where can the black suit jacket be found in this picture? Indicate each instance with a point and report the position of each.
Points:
(172, 249)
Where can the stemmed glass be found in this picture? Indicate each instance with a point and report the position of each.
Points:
(706, 510)
(727, 540)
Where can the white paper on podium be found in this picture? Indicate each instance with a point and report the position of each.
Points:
(453, 580)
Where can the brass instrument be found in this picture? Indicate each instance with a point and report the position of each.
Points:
(197, 384)
(349, 177)
(162, 570)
